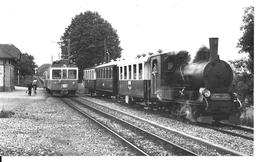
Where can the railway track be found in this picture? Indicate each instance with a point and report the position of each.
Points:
(229, 129)
(233, 130)
(142, 141)
(195, 144)
(239, 127)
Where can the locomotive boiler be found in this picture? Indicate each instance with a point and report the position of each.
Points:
(202, 90)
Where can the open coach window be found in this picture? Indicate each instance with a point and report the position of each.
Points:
(72, 74)
(56, 74)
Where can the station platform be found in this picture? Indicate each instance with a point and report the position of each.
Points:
(19, 96)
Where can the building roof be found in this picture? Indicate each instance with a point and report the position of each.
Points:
(9, 51)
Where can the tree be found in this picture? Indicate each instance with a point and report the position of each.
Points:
(27, 65)
(243, 83)
(202, 54)
(183, 57)
(246, 42)
(91, 40)
(244, 69)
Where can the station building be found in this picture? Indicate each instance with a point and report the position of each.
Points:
(9, 56)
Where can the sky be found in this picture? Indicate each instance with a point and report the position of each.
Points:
(143, 26)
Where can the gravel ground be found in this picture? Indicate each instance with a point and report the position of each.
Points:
(236, 143)
(46, 126)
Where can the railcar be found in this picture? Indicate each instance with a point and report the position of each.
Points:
(134, 79)
(61, 78)
(89, 80)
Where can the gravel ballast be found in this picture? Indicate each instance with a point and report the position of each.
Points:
(48, 127)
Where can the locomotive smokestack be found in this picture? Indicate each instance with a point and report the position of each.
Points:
(213, 44)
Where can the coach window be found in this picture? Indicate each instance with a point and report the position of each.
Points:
(72, 74)
(103, 73)
(134, 70)
(140, 71)
(56, 74)
(125, 72)
(107, 73)
(121, 72)
(130, 72)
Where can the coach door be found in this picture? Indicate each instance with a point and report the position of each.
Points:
(155, 75)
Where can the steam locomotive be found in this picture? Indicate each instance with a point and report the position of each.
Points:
(200, 92)
(61, 78)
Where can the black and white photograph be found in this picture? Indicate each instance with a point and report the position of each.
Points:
(114, 80)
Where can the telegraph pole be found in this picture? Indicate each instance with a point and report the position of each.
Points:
(105, 48)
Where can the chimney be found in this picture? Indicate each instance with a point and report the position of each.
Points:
(213, 45)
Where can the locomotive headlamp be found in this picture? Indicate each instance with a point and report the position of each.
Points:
(205, 92)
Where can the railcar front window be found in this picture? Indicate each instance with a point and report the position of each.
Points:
(64, 74)
(56, 74)
(72, 74)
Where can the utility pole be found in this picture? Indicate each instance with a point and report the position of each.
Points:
(105, 48)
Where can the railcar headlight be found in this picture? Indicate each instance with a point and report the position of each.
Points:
(205, 92)
(73, 83)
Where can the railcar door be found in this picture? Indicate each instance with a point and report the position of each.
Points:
(155, 75)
